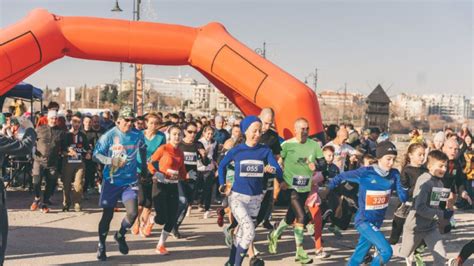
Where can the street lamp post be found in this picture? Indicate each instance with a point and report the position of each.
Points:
(138, 88)
(315, 78)
(262, 52)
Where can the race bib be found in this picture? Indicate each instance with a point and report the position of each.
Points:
(439, 194)
(75, 159)
(251, 168)
(300, 182)
(377, 200)
(190, 158)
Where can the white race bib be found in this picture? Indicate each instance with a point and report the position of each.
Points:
(190, 158)
(439, 194)
(300, 182)
(251, 168)
(377, 200)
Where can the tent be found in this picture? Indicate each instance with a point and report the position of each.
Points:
(26, 92)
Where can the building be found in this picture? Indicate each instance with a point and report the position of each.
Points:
(339, 98)
(457, 107)
(408, 107)
(207, 98)
(178, 87)
(378, 109)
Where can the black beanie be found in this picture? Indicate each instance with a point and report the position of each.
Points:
(384, 148)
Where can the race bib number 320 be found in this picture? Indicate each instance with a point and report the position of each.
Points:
(251, 168)
(376, 200)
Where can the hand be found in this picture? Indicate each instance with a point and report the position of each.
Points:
(353, 159)
(269, 169)
(71, 152)
(466, 196)
(222, 189)
(448, 214)
(283, 185)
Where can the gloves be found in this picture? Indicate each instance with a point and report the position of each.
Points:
(448, 214)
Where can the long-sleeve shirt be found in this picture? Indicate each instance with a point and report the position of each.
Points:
(116, 144)
(429, 192)
(375, 189)
(249, 168)
(11, 146)
(169, 161)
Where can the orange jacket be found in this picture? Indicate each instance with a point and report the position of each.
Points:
(170, 161)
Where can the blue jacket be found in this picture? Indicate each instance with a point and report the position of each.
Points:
(374, 192)
(249, 165)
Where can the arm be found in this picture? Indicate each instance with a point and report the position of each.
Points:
(222, 169)
(182, 169)
(154, 160)
(405, 182)
(18, 147)
(421, 203)
(201, 152)
(273, 162)
(402, 190)
(100, 152)
(352, 176)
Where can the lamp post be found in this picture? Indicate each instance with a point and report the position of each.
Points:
(138, 88)
(315, 78)
(262, 52)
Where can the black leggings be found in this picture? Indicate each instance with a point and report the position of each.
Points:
(165, 200)
(266, 207)
(466, 251)
(131, 208)
(89, 177)
(144, 195)
(207, 180)
(296, 210)
(397, 229)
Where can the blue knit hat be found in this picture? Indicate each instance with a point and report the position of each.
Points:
(245, 124)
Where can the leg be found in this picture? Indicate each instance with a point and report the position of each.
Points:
(410, 242)
(171, 201)
(317, 220)
(207, 193)
(159, 202)
(466, 251)
(361, 249)
(51, 180)
(67, 176)
(373, 235)
(78, 184)
(397, 229)
(104, 224)
(434, 241)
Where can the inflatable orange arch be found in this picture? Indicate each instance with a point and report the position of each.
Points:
(248, 80)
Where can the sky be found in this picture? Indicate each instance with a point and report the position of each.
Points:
(416, 47)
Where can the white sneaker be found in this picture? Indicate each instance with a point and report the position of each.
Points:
(206, 214)
(409, 260)
(321, 254)
(188, 212)
(453, 262)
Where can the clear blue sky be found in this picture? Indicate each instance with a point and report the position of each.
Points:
(417, 47)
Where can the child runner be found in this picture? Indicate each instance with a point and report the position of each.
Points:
(375, 187)
(425, 215)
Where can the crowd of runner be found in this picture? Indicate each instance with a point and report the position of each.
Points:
(163, 167)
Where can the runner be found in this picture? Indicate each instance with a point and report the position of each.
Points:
(251, 160)
(46, 160)
(165, 189)
(425, 216)
(298, 157)
(75, 149)
(91, 167)
(375, 187)
(193, 152)
(153, 140)
(206, 173)
(118, 150)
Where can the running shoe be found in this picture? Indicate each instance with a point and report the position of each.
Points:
(453, 222)
(335, 230)
(44, 209)
(77, 207)
(65, 208)
(161, 250)
(101, 255)
(327, 214)
(272, 242)
(146, 230)
(302, 257)
(206, 215)
(267, 225)
(220, 217)
(419, 260)
(188, 213)
(321, 254)
(136, 227)
(454, 262)
(34, 206)
(228, 238)
(256, 261)
(123, 247)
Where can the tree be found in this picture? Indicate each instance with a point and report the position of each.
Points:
(104, 93)
(113, 95)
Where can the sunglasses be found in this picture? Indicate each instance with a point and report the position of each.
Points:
(127, 120)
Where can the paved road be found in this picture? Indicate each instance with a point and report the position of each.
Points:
(71, 238)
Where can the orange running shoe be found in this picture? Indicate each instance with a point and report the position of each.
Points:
(161, 250)
(34, 206)
(136, 227)
(145, 231)
(44, 209)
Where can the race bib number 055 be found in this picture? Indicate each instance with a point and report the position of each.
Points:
(251, 168)
(376, 200)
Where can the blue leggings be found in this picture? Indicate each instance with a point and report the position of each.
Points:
(370, 236)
